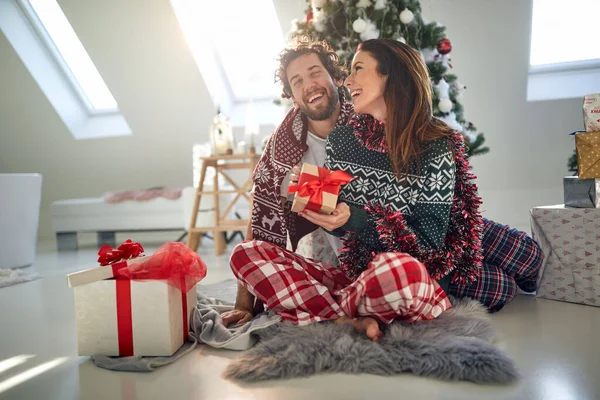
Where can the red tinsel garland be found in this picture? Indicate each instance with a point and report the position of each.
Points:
(369, 132)
(460, 252)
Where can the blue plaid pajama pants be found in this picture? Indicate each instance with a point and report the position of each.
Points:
(511, 259)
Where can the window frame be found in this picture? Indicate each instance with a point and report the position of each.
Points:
(562, 80)
(218, 82)
(41, 31)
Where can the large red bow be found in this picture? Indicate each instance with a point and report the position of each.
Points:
(128, 249)
(314, 186)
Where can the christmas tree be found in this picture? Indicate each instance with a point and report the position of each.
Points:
(345, 23)
(572, 163)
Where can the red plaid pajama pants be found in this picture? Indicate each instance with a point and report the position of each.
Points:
(304, 291)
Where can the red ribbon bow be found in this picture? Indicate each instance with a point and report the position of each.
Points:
(128, 249)
(314, 186)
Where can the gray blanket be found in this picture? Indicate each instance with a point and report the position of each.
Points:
(205, 327)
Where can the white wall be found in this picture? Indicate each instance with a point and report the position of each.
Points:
(529, 142)
(139, 50)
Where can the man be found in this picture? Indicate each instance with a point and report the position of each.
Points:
(312, 77)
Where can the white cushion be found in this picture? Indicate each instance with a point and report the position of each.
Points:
(94, 214)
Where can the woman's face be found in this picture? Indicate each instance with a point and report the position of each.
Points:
(367, 86)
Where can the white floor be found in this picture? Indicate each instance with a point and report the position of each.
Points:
(556, 346)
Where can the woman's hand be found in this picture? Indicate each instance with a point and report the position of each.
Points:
(338, 218)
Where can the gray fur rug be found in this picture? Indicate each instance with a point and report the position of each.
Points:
(456, 346)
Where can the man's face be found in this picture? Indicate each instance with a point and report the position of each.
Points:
(313, 90)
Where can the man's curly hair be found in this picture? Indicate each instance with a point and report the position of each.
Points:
(306, 45)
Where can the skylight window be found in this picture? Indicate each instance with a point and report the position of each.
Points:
(564, 32)
(237, 53)
(564, 60)
(70, 53)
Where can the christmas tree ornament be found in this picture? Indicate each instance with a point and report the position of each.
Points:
(363, 3)
(445, 105)
(370, 32)
(309, 16)
(380, 4)
(359, 25)
(444, 46)
(406, 16)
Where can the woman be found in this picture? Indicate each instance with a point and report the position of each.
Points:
(394, 215)
(406, 166)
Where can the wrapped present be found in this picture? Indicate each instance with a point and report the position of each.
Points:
(136, 305)
(591, 112)
(581, 193)
(570, 241)
(317, 189)
(587, 145)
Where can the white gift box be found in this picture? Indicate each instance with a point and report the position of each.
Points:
(570, 240)
(121, 317)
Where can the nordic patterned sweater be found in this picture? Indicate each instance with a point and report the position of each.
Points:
(422, 199)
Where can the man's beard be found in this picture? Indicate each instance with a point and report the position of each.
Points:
(322, 115)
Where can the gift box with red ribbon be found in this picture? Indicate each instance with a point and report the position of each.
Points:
(318, 189)
(134, 304)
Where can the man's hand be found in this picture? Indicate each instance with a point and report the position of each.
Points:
(295, 175)
(236, 316)
(338, 218)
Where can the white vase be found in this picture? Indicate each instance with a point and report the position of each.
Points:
(20, 197)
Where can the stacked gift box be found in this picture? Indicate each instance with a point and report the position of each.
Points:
(569, 234)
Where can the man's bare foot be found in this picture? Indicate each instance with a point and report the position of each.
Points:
(366, 325)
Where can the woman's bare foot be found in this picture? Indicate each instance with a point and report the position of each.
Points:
(366, 325)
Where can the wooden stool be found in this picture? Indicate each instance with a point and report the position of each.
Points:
(218, 162)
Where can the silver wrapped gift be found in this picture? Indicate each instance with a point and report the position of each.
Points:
(581, 193)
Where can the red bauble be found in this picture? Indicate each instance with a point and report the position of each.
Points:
(309, 16)
(444, 46)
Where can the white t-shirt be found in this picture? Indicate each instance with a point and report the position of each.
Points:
(315, 155)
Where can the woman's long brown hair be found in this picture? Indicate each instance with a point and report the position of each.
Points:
(410, 123)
